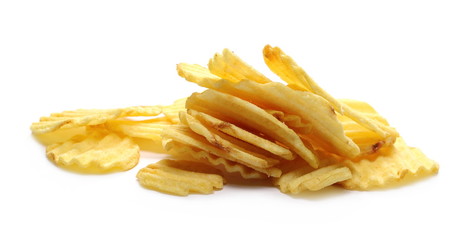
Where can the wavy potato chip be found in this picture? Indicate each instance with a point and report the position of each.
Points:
(395, 164)
(89, 117)
(99, 151)
(187, 152)
(306, 178)
(314, 111)
(184, 135)
(166, 176)
(247, 154)
(242, 134)
(253, 117)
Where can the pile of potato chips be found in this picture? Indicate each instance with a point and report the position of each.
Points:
(243, 126)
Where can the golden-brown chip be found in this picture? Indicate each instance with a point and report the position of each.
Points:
(165, 176)
(99, 151)
(398, 163)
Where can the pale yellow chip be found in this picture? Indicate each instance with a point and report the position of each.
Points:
(164, 176)
(246, 153)
(253, 117)
(99, 151)
(368, 141)
(287, 69)
(185, 135)
(397, 164)
(172, 111)
(229, 66)
(242, 134)
(306, 178)
(294, 122)
(89, 117)
(187, 152)
(148, 129)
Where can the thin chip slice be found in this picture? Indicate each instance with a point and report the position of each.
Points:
(229, 66)
(254, 156)
(304, 179)
(99, 151)
(242, 134)
(399, 163)
(187, 152)
(172, 111)
(287, 69)
(164, 176)
(184, 135)
(368, 141)
(148, 129)
(89, 117)
(294, 122)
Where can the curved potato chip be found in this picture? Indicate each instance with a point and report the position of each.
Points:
(165, 176)
(313, 180)
(186, 152)
(229, 66)
(251, 116)
(100, 151)
(368, 141)
(238, 149)
(148, 129)
(287, 69)
(242, 134)
(184, 135)
(392, 165)
(89, 117)
(172, 111)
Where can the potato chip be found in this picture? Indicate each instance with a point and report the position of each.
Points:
(237, 148)
(229, 66)
(398, 163)
(99, 151)
(148, 129)
(191, 153)
(89, 117)
(185, 136)
(368, 141)
(164, 176)
(287, 69)
(242, 134)
(60, 135)
(172, 111)
(296, 123)
(306, 178)
(253, 117)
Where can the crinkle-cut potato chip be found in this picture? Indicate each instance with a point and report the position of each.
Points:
(148, 129)
(220, 140)
(242, 134)
(253, 117)
(185, 135)
(229, 66)
(398, 163)
(89, 117)
(312, 109)
(99, 151)
(165, 176)
(191, 153)
(287, 69)
(306, 178)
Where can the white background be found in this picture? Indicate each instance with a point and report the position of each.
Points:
(409, 59)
